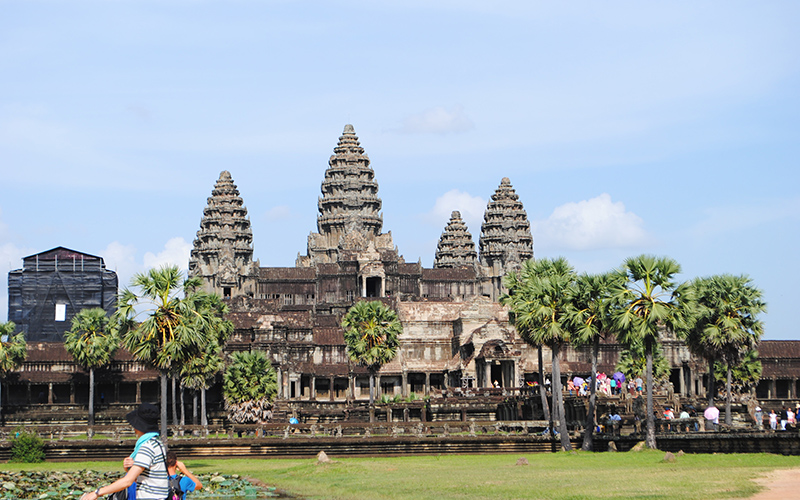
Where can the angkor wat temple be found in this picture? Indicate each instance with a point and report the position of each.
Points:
(455, 336)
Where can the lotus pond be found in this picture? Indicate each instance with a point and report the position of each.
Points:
(43, 485)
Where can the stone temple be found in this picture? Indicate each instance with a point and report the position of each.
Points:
(455, 333)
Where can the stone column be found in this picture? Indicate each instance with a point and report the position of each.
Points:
(138, 392)
(313, 389)
(682, 387)
(383, 287)
(377, 387)
(50, 393)
(773, 388)
(427, 383)
(488, 375)
(72, 393)
(332, 380)
(281, 390)
(404, 388)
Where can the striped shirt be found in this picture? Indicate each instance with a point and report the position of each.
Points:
(152, 483)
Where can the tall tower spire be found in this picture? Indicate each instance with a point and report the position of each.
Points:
(506, 239)
(349, 209)
(456, 248)
(222, 252)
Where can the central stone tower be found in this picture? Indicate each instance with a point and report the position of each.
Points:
(349, 210)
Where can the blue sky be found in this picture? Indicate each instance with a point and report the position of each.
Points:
(625, 127)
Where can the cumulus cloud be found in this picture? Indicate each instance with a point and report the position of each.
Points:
(438, 120)
(279, 212)
(176, 252)
(471, 208)
(593, 224)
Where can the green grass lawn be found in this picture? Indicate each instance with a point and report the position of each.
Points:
(642, 475)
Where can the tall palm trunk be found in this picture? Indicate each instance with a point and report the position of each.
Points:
(194, 406)
(728, 417)
(588, 432)
(712, 383)
(174, 400)
(542, 388)
(651, 423)
(164, 408)
(371, 395)
(203, 416)
(558, 402)
(183, 406)
(2, 418)
(91, 401)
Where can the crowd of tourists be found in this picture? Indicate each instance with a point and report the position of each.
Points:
(614, 385)
(784, 419)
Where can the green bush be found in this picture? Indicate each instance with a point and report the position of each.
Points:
(27, 447)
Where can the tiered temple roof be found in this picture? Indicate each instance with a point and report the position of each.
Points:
(456, 248)
(223, 249)
(349, 209)
(506, 239)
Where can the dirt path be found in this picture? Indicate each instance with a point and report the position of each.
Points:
(781, 484)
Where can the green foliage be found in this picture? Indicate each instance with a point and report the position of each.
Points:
(371, 332)
(726, 324)
(90, 341)
(13, 349)
(540, 301)
(27, 447)
(632, 363)
(249, 377)
(181, 320)
(745, 374)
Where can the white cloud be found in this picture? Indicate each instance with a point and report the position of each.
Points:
(592, 224)
(471, 208)
(176, 252)
(279, 212)
(438, 120)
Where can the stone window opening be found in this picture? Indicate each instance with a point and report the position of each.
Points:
(226, 292)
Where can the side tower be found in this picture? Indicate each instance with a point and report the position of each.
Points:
(506, 240)
(456, 248)
(222, 253)
(349, 210)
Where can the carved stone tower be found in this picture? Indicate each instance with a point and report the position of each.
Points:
(506, 240)
(349, 209)
(223, 249)
(456, 248)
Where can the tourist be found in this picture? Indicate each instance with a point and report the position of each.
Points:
(146, 476)
(183, 484)
(791, 417)
(773, 420)
(759, 417)
(684, 418)
(784, 418)
(614, 422)
(712, 417)
(639, 384)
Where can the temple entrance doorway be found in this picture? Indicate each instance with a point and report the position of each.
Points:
(373, 286)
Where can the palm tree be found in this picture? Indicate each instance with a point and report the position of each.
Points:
(647, 301)
(371, 332)
(727, 325)
(180, 322)
(92, 344)
(540, 307)
(198, 373)
(514, 283)
(249, 386)
(745, 375)
(13, 351)
(591, 319)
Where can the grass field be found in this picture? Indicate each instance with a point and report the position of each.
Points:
(562, 476)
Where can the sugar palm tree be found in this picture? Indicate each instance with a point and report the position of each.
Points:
(92, 345)
(744, 375)
(592, 321)
(727, 325)
(249, 386)
(647, 301)
(541, 306)
(371, 332)
(179, 322)
(13, 351)
(198, 372)
(514, 283)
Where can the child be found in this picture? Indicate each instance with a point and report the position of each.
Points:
(188, 482)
